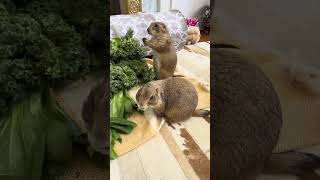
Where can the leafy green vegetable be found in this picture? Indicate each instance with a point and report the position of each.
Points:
(122, 125)
(143, 73)
(33, 134)
(35, 52)
(43, 43)
(121, 77)
(127, 70)
(121, 106)
(127, 67)
(125, 48)
(114, 136)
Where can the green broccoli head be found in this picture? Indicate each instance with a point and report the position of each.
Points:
(128, 68)
(35, 52)
(125, 48)
(121, 77)
(128, 74)
(143, 72)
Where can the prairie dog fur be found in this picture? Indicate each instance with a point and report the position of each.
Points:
(247, 124)
(164, 53)
(175, 99)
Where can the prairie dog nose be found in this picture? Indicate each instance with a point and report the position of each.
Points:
(141, 107)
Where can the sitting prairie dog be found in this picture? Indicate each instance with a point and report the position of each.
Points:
(175, 99)
(247, 123)
(164, 53)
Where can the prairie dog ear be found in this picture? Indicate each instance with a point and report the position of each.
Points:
(138, 94)
(159, 93)
(163, 27)
(157, 90)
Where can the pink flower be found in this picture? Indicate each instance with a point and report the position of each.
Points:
(192, 22)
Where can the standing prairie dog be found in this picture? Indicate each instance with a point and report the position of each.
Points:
(175, 99)
(164, 53)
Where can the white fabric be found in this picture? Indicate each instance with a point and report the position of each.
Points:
(175, 22)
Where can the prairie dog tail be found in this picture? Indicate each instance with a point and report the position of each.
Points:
(295, 163)
(202, 113)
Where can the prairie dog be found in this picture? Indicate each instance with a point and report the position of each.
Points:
(164, 53)
(175, 99)
(247, 124)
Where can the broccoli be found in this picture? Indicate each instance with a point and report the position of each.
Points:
(143, 72)
(125, 48)
(37, 52)
(127, 67)
(44, 43)
(121, 77)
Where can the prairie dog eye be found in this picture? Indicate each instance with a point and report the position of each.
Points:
(156, 25)
(152, 98)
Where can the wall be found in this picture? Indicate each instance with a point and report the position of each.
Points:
(190, 8)
(149, 5)
(288, 27)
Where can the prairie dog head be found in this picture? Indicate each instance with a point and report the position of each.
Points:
(149, 96)
(157, 29)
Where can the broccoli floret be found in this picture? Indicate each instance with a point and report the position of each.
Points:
(128, 74)
(35, 52)
(127, 59)
(121, 77)
(143, 72)
(125, 48)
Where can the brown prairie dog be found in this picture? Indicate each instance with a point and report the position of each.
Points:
(175, 99)
(247, 123)
(164, 53)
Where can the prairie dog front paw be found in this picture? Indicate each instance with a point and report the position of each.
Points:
(144, 40)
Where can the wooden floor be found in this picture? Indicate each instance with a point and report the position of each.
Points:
(164, 156)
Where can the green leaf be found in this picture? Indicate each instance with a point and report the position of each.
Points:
(122, 129)
(121, 122)
(128, 107)
(33, 135)
(22, 134)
